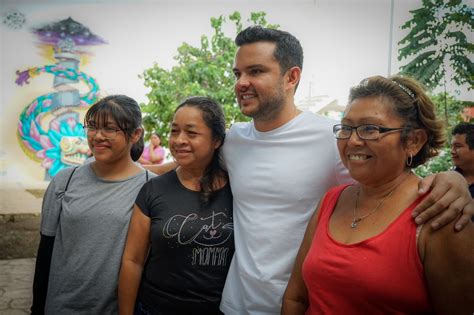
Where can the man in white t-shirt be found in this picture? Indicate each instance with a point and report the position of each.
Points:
(280, 164)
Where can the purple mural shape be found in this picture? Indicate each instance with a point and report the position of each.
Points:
(55, 32)
(50, 128)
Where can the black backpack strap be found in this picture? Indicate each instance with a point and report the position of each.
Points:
(146, 174)
(69, 179)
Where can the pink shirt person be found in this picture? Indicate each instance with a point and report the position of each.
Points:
(153, 153)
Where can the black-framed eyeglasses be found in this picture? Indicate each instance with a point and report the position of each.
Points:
(107, 132)
(365, 132)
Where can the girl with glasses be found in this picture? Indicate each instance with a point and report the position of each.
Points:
(85, 215)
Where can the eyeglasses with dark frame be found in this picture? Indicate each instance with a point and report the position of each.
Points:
(365, 132)
(107, 132)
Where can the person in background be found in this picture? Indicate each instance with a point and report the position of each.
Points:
(180, 241)
(85, 215)
(462, 152)
(362, 253)
(153, 152)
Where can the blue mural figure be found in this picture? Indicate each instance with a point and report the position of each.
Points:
(49, 128)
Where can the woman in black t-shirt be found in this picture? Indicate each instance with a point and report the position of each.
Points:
(180, 240)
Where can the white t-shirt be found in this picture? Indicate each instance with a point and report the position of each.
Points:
(277, 178)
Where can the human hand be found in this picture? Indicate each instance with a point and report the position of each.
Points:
(448, 198)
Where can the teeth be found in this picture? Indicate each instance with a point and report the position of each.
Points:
(358, 157)
(246, 97)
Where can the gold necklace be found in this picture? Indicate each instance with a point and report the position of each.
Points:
(356, 220)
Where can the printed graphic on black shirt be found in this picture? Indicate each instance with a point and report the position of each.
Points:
(208, 233)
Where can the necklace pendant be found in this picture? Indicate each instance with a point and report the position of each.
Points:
(354, 224)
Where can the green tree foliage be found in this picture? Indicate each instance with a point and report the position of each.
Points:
(200, 71)
(440, 163)
(440, 39)
(448, 108)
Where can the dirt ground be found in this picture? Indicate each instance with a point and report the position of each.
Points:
(19, 235)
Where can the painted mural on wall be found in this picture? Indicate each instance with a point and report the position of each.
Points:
(50, 129)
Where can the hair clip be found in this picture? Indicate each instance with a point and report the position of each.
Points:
(405, 89)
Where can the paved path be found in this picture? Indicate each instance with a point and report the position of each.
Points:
(16, 278)
(16, 275)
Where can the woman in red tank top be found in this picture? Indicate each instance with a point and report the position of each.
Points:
(362, 253)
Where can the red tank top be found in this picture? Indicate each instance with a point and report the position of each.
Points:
(380, 275)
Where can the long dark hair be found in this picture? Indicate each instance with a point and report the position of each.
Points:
(125, 112)
(214, 119)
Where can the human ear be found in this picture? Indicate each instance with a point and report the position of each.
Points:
(136, 135)
(416, 139)
(293, 76)
(217, 144)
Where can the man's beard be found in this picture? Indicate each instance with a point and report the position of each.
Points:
(270, 108)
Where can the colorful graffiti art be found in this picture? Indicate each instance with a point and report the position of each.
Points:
(49, 128)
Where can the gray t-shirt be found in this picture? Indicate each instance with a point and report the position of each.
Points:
(90, 233)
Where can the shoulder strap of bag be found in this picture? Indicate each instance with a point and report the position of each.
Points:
(65, 189)
(69, 179)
